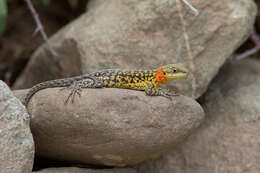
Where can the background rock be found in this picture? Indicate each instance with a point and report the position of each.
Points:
(228, 141)
(109, 126)
(16, 142)
(145, 34)
(82, 170)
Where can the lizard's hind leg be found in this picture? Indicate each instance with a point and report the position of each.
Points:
(76, 87)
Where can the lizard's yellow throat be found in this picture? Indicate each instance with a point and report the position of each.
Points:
(174, 71)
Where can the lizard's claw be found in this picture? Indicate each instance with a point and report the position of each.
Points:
(160, 92)
(75, 89)
(168, 94)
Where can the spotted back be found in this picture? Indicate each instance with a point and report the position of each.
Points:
(134, 79)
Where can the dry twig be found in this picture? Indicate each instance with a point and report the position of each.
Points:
(39, 27)
(187, 44)
(256, 40)
(191, 7)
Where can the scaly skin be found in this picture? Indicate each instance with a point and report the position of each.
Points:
(144, 80)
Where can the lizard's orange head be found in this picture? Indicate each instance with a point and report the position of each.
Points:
(174, 71)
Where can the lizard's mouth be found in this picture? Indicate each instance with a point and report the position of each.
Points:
(177, 75)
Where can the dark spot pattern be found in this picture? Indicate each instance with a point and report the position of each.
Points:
(132, 79)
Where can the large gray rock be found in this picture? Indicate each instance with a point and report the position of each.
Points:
(145, 34)
(228, 141)
(82, 170)
(109, 126)
(16, 142)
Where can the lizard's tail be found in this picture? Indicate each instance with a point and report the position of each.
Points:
(44, 85)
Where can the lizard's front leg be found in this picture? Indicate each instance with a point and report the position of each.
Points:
(151, 90)
(77, 86)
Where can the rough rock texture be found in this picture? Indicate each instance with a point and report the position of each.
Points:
(109, 126)
(16, 142)
(228, 141)
(144, 34)
(81, 170)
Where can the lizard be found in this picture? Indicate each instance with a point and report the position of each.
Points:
(143, 80)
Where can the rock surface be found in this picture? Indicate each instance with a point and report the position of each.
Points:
(145, 34)
(81, 170)
(228, 140)
(16, 142)
(114, 127)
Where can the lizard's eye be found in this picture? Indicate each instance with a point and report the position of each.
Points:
(174, 70)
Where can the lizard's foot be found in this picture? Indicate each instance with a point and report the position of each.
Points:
(168, 94)
(75, 88)
(159, 92)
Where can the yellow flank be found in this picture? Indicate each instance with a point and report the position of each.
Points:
(141, 79)
(127, 79)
